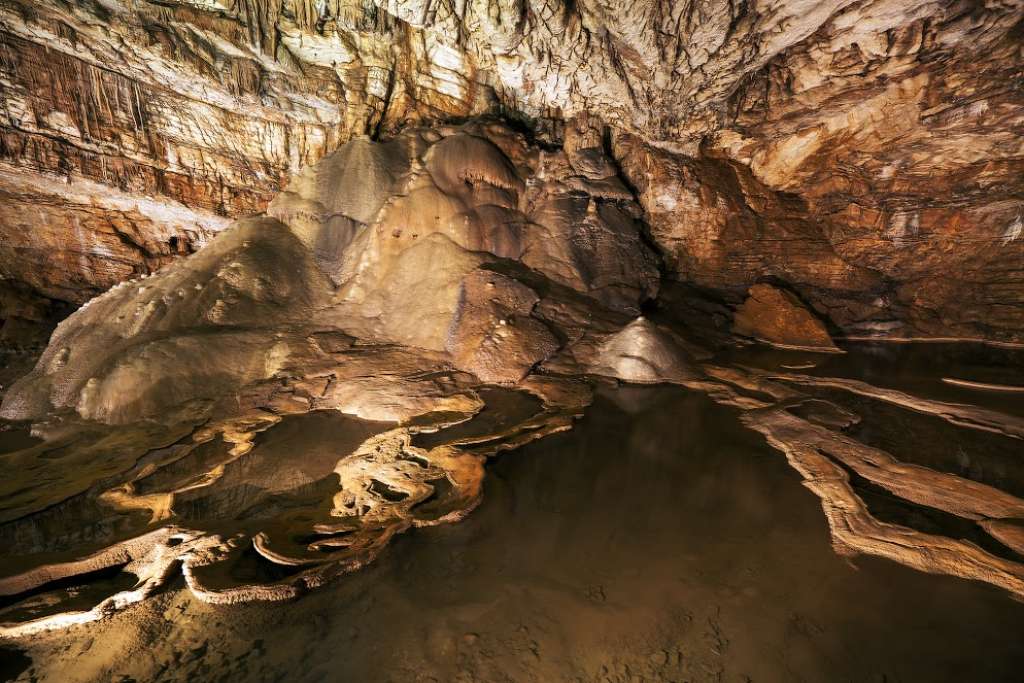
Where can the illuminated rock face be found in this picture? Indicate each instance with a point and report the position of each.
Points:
(445, 240)
(360, 257)
(874, 167)
(859, 152)
(386, 285)
(282, 403)
(133, 132)
(777, 317)
(643, 353)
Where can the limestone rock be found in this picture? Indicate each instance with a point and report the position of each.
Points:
(133, 132)
(877, 176)
(642, 352)
(859, 152)
(181, 335)
(778, 317)
(495, 336)
(415, 259)
(866, 156)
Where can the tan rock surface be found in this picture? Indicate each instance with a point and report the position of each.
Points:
(860, 152)
(643, 353)
(778, 317)
(411, 259)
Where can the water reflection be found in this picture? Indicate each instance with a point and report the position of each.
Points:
(656, 541)
(914, 368)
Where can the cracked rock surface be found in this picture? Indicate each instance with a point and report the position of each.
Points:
(857, 151)
(268, 413)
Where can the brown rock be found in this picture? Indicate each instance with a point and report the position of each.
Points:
(860, 152)
(133, 132)
(411, 259)
(776, 316)
(495, 337)
(644, 353)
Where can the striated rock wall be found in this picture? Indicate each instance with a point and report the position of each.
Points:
(874, 168)
(856, 152)
(133, 131)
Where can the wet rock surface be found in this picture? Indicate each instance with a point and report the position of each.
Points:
(604, 553)
(324, 280)
(178, 419)
(154, 402)
(644, 353)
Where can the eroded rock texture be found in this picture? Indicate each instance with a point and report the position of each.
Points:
(464, 241)
(860, 152)
(134, 131)
(369, 312)
(873, 166)
(379, 244)
(269, 412)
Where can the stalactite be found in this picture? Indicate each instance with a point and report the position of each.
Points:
(261, 19)
(357, 15)
(307, 13)
(244, 77)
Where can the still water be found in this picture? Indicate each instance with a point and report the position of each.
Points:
(657, 541)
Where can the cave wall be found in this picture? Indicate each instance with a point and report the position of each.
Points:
(867, 155)
(134, 131)
(905, 148)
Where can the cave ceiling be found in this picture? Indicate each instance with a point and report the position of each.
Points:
(855, 152)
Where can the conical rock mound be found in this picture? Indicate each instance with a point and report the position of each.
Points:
(644, 353)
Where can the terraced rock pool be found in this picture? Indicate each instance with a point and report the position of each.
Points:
(658, 540)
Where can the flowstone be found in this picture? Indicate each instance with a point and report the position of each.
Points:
(266, 414)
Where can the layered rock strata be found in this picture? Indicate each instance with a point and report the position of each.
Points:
(182, 419)
(777, 317)
(858, 152)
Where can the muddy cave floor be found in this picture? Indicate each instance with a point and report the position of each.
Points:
(656, 541)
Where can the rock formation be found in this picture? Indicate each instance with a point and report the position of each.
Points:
(643, 353)
(858, 152)
(777, 317)
(277, 213)
(428, 254)
(471, 252)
